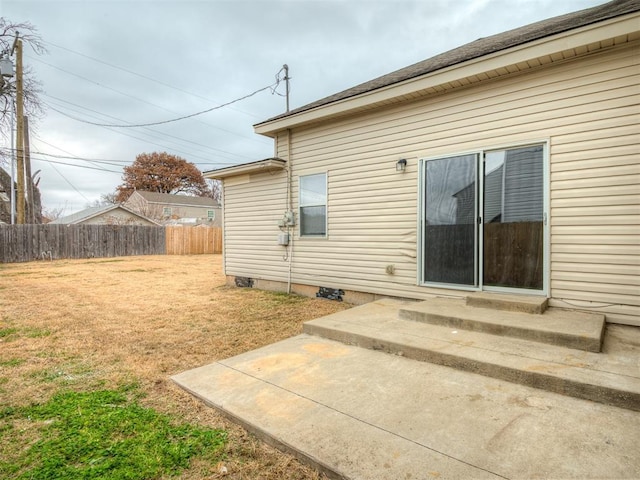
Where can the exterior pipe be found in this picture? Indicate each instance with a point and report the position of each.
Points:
(290, 207)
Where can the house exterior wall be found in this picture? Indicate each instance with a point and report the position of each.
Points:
(253, 205)
(586, 108)
(117, 217)
(155, 210)
(182, 211)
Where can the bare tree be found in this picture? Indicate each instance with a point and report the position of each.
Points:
(31, 87)
(50, 214)
(216, 189)
(105, 199)
(108, 199)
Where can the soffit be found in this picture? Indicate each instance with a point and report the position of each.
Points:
(546, 51)
(267, 165)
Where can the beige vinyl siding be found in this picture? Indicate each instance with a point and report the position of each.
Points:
(253, 207)
(586, 108)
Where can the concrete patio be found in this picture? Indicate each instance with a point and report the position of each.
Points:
(440, 389)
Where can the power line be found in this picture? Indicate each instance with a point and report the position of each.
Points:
(37, 155)
(72, 157)
(76, 165)
(111, 162)
(142, 101)
(163, 135)
(147, 141)
(70, 184)
(105, 161)
(140, 75)
(271, 87)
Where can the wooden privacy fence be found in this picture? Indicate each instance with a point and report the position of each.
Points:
(193, 240)
(24, 243)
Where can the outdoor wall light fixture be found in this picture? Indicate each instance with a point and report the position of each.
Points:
(401, 165)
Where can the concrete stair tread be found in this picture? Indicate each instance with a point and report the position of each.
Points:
(604, 378)
(562, 327)
(516, 303)
(361, 414)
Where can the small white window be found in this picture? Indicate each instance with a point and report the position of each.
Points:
(211, 214)
(313, 205)
(166, 211)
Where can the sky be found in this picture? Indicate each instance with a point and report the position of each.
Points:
(136, 62)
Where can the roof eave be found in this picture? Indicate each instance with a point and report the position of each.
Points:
(266, 165)
(546, 46)
(110, 209)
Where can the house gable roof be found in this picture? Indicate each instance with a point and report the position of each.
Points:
(91, 212)
(474, 50)
(182, 200)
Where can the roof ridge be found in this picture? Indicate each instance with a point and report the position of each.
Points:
(478, 48)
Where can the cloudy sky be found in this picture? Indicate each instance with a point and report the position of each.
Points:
(133, 61)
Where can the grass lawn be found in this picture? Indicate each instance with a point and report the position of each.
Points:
(86, 351)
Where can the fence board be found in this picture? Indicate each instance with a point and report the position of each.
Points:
(24, 243)
(193, 240)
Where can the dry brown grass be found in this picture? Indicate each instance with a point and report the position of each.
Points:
(101, 323)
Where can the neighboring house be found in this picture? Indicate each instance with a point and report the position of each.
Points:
(510, 164)
(176, 209)
(107, 215)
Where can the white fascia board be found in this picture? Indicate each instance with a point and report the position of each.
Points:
(254, 167)
(515, 55)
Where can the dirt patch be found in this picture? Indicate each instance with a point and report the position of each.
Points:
(100, 323)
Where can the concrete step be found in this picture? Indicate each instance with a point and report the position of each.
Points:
(610, 378)
(511, 303)
(360, 415)
(572, 329)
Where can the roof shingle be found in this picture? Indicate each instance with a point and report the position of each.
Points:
(481, 47)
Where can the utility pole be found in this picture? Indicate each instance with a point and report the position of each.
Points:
(17, 48)
(13, 168)
(286, 80)
(30, 205)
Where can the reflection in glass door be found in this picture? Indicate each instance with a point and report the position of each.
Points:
(449, 222)
(513, 229)
(482, 219)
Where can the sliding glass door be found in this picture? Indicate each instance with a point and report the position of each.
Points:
(482, 219)
(449, 223)
(513, 230)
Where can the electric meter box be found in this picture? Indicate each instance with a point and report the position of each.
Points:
(290, 218)
(283, 239)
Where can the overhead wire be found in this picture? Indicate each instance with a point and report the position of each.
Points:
(117, 67)
(157, 133)
(134, 97)
(271, 87)
(58, 148)
(103, 161)
(70, 184)
(147, 141)
(38, 156)
(75, 165)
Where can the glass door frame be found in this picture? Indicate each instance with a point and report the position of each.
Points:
(479, 226)
(422, 224)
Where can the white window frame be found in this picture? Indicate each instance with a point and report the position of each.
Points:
(302, 205)
(211, 215)
(167, 211)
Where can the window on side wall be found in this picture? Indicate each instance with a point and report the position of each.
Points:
(313, 205)
(211, 215)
